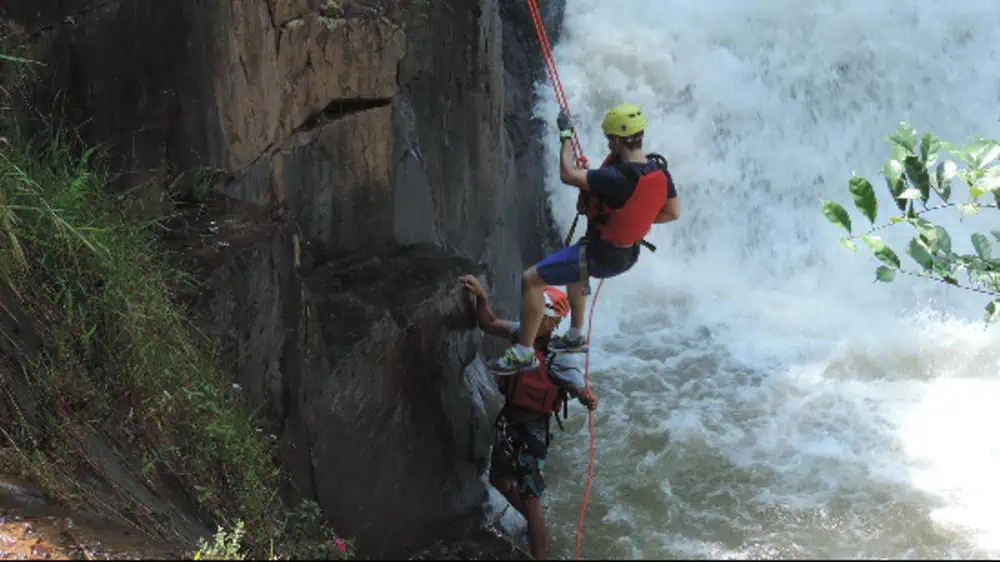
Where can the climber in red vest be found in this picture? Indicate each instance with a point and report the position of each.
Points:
(622, 199)
(531, 399)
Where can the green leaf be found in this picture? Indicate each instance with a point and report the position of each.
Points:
(996, 234)
(991, 155)
(836, 214)
(864, 197)
(873, 241)
(961, 153)
(892, 171)
(887, 256)
(967, 261)
(929, 147)
(918, 176)
(933, 237)
(982, 245)
(943, 239)
(945, 270)
(990, 181)
(921, 224)
(943, 174)
(881, 251)
(911, 193)
(919, 253)
(895, 220)
(992, 311)
(905, 138)
(849, 244)
(969, 209)
(885, 274)
(983, 152)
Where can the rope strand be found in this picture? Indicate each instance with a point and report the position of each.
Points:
(581, 159)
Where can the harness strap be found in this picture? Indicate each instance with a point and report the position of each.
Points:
(572, 229)
(534, 445)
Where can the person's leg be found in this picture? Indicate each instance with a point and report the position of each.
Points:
(602, 263)
(530, 485)
(532, 306)
(577, 305)
(508, 488)
(536, 527)
(573, 341)
(560, 268)
(503, 475)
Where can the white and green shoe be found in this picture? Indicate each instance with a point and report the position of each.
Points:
(513, 361)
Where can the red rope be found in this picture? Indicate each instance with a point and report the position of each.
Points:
(590, 427)
(581, 160)
(550, 64)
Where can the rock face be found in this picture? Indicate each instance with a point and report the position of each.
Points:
(363, 153)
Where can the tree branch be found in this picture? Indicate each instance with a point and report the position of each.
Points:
(876, 228)
(951, 283)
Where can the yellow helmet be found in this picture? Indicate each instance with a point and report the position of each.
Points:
(625, 120)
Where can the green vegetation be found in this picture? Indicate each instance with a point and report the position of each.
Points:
(120, 363)
(305, 526)
(923, 167)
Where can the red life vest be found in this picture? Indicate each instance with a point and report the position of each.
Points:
(628, 225)
(534, 390)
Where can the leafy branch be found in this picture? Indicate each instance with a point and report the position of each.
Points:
(916, 172)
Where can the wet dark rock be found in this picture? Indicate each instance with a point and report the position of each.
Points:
(361, 159)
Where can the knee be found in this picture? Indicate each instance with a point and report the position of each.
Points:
(531, 280)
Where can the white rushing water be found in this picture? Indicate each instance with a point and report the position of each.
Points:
(761, 397)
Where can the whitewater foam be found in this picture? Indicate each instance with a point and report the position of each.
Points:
(760, 395)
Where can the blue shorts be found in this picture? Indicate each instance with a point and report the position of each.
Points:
(563, 267)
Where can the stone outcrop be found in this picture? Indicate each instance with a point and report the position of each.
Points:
(368, 366)
(355, 157)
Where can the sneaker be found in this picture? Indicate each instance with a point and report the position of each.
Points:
(568, 344)
(513, 361)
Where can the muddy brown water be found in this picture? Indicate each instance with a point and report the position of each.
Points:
(33, 528)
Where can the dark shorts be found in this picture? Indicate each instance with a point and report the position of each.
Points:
(514, 458)
(603, 261)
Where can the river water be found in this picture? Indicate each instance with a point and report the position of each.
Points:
(761, 397)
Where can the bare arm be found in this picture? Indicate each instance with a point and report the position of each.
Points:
(569, 172)
(671, 211)
(488, 321)
(567, 372)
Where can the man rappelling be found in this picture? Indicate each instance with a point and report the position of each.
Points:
(622, 200)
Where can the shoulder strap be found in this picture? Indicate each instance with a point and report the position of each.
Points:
(550, 356)
(563, 395)
(658, 160)
(629, 171)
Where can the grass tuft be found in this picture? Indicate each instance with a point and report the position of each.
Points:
(120, 361)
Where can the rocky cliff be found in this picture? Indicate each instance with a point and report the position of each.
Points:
(349, 159)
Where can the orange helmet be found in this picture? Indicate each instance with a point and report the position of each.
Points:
(556, 303)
